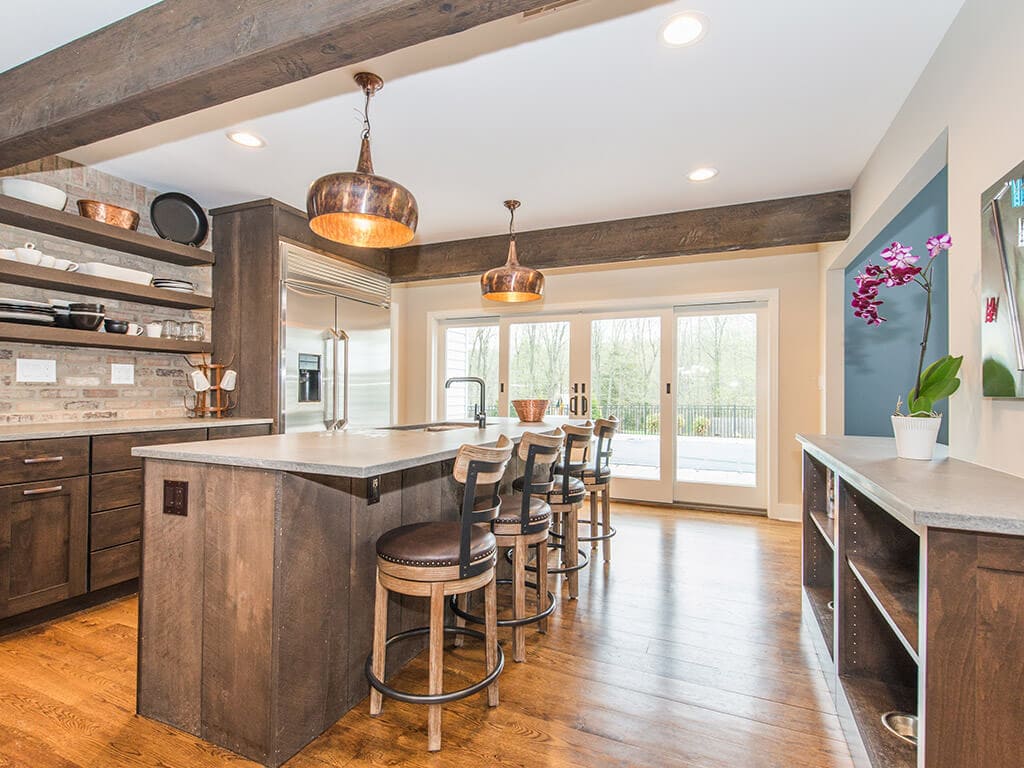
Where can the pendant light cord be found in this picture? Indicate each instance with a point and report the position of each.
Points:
(512, 223)
(366, 114)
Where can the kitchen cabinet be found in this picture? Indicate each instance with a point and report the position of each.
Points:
(43, 531)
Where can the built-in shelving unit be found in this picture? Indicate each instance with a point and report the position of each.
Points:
(38, 218)
(869, 699)
(15, 273)
(894, 592)
(68, 337)
(824, 524)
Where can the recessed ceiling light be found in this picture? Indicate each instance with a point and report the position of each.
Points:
(702, 174)
(247, 139)
(684, 29)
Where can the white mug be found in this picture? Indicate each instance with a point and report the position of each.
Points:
(199, 381)
(155, 329)
(229, 380)
(64, 265)
(28, 254)
(46, 261)
(134, 329)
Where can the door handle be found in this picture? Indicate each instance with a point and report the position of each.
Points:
(343, 337)
(43, 460)
(573, 401)
(586, 406)
(37, 491)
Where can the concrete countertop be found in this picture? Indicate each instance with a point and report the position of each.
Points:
(346, 453)
(941, 493)
(87, 428)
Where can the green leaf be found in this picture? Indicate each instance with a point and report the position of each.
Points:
(937, 390)
(921, 405)
(997, 380)
(944, 368)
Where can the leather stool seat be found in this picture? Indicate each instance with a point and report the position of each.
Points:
(577, 490)
(589, 474)
(511, 511)
(434, 544)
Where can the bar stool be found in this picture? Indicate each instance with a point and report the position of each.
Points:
(565, 499)
(598, 481)
(438, 559)
(523, 523)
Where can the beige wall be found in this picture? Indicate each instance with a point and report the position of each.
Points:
(794, 274)
(972, 88)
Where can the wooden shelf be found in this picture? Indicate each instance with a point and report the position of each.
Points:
(15, 273)
(69, 337)
(895, 593)
(819, 599)
(38, 218)
(824, 526)
(869, 699)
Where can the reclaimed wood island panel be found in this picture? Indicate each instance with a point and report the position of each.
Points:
(256, 605)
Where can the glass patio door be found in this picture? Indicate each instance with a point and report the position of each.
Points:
(720, 426)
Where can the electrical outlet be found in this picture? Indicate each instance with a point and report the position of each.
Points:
(122, 373)
(176, 497)
(373, 490)
(36, 371)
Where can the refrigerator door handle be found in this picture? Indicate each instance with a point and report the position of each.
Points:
(331, 422)
(342, 337)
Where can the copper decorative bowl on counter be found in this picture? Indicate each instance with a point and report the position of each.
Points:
(109, 214)
(530, 411)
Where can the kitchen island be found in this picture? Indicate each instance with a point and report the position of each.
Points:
(258, 574)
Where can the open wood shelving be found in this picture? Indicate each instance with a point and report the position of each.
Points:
(824, 525)
(869, 699)
(47, 221)
(69, 337)
(15, 273)
(894, 591)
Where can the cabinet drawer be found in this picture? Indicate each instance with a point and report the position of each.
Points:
(25, 461)
(116, 489)
(117, 526)
(111, 453)
(241, 430)
(114, 565)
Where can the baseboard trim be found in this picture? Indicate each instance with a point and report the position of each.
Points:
(788, 513)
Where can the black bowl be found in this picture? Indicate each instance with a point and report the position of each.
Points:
(86, 322)
(63, 318)
(115, 326)
(86, 308)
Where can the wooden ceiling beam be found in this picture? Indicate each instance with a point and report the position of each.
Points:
(804, 220)
(180, 56)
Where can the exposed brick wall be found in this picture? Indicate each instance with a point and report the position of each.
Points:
(83, 390)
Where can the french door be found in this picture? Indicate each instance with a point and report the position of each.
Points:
(688, 386)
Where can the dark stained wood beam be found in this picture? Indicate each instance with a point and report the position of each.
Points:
(767, 224)
(180, 56)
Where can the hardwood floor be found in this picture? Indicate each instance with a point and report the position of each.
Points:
(687, 651)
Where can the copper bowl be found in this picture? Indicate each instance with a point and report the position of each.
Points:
(109, 214)
(530, 411)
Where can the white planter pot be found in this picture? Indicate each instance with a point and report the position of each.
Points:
(916, 436)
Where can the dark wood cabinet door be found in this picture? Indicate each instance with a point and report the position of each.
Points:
(44, 531)
(112, 453)
(239, 430)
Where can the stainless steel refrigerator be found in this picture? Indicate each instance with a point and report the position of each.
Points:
(335, 344)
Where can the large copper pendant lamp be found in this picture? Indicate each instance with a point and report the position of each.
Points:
(361, 208)
(512, 282)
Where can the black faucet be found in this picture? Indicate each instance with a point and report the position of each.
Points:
(481, 410)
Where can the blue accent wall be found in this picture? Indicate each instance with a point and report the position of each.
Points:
(881, 361)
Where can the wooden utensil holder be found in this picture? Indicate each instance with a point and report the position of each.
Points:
(216, 401)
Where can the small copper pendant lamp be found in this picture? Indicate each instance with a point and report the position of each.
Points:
(360, 208)
(512, 282)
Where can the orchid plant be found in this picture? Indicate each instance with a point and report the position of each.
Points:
(939, 380)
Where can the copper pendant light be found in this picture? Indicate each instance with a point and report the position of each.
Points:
(512, 282)
(361, 208)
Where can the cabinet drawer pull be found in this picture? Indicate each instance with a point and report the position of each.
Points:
(44, 460)
(37, 491)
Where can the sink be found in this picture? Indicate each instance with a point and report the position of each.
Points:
(437, 426)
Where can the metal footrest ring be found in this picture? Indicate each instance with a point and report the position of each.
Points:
(584, 561)
(602, 537)
(437, 698)
(531, 619)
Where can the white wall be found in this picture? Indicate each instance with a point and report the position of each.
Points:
(793, 272)
(972, 89)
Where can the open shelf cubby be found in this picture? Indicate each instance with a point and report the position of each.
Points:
(69, 337)
(818, 549)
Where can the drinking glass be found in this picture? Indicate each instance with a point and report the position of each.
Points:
(171, 329)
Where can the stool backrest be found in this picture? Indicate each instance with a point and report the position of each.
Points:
(604, 431)
(540, 451)
(477, 467)
(577, 452)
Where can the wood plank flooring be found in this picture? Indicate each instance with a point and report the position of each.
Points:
(687, 651)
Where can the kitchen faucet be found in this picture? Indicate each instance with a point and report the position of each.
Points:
(481, 412)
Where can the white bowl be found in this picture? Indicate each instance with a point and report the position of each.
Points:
(34, 192)
(97, 269)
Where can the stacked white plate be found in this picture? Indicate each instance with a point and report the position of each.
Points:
(169, 284)
(20, 311)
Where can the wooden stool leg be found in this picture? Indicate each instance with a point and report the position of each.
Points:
(519, 598)
(571, 551)
(380, 636)
(593, 518)
(606, 520)
(542, 583)
(491, 641)
(436, 664)
(463, 603)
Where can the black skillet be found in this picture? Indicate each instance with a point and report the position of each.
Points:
(179, 218)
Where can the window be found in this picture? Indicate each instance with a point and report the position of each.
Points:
(470, 350)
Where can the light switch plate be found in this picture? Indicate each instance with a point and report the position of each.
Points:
(122, 373)
(36, 371)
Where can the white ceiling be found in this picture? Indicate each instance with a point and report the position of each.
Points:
(582, 114)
